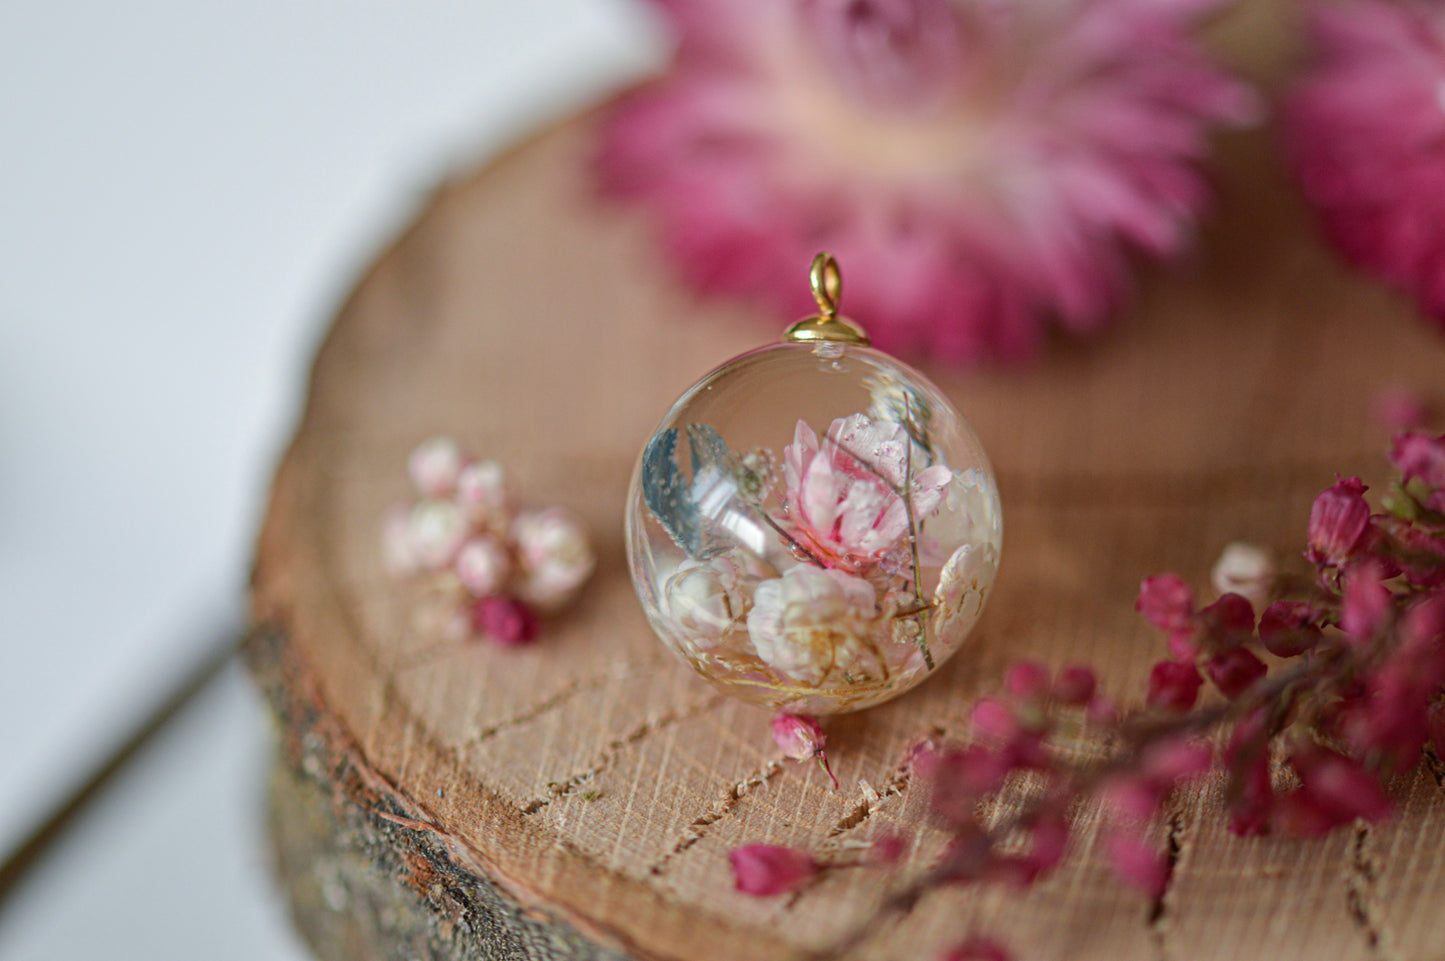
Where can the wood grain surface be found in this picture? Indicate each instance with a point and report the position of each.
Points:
(595, 780)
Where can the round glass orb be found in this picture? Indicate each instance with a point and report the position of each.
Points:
(813, 527)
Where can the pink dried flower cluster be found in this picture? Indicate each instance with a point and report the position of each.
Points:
(1356, 694)
(801, 738)
(505, 563)
(1364, 129)
(985, 169)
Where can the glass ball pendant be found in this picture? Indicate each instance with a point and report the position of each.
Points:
(814, 526)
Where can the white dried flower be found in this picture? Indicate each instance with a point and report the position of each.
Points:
(434, 466)
(396, 542)
(706, 600)
(436, 532)
(483, 494)
(810, 622)
(483, 566)
(1247, 570)
(554, 553)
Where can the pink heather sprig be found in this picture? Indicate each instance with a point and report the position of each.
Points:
(1355, 695)
(986, 171)
(466, 531)
(1364, 132)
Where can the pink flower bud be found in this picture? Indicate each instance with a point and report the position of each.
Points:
(995, 720)
(436, 531)
(798, 736)
(504, 619)
(763, 870)
(1338, 520)
(801, 738)
(434, 466)
(1366, 606)
(1136, 862)
(887, 848)
(554, 553)
(1399, 408)
(1176, 759)
(483, 495)
(978, 949)
(1418, 455)
(959, 778)
(483, 566)
(1234, 671)
(1246, 570)
(1166, 601)
(1026, 680)
(1288, 629)
(1075, 685)
(1334, 790)
(1173, 686)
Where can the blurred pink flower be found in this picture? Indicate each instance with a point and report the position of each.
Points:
(1365, 131)
(979, 168)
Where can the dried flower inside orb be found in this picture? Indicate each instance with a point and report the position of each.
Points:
(496, 566)
(985, 169)
(1364, 129)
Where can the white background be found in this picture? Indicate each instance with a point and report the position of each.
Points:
(187, 190)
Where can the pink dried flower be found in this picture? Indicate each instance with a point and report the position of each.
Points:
(1136, 862)
(1400, 408)
(982, 168)
(1365, 134)
(1334, 790)
(1075, 685)
(1026, 680)
(1229, 621)
(1167, 602)
(1174, 686)
(504, 619)
(1339, 518)
(978, 949)
(959, 778)
(763, 870)
(887, 848)
(434, 466)
(842, 496)
(801, 738)
(1366, 605)
(1418, 455)
(1288, 628)
(1234, 671)
(483, 495)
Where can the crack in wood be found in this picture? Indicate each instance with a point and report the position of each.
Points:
(896, 784)
(566, 693)
(1434, 766)
(1360, 878)
(725, 806)
(1158, 918)
(561, 789)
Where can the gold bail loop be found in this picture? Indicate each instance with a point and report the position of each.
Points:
(827, 283)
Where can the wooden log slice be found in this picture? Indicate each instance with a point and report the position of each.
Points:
(577, 798)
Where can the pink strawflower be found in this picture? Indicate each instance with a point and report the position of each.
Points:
(504, 619)
(980, 169)
(801, 738)
(1174, 686)
(1365, 133)
(763, 870)
(842, 494)
(1339, 518)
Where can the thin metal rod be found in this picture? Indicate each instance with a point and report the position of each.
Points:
(26, 855)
